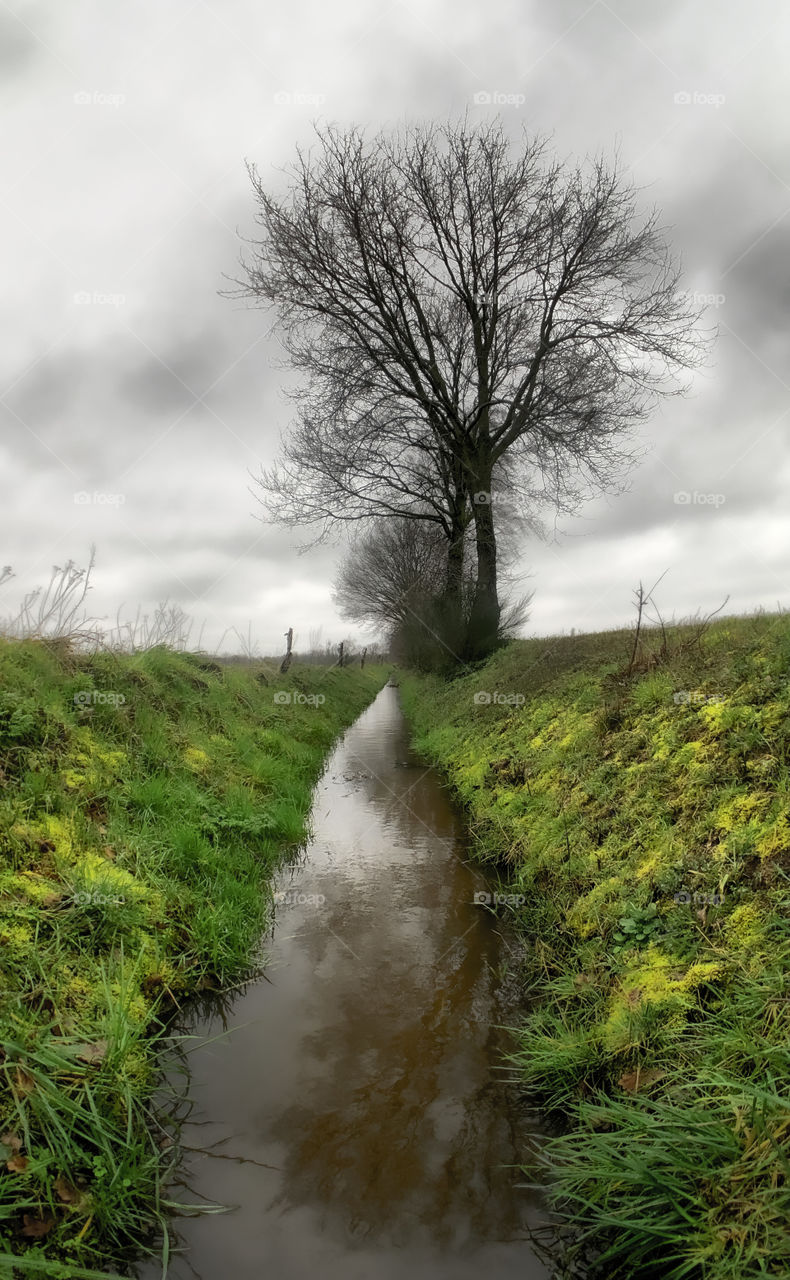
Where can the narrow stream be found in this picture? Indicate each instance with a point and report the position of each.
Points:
(360, 1082)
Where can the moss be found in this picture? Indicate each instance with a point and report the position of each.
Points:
(650, 837)
(196, 759)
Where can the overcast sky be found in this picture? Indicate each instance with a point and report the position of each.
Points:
(136, 402)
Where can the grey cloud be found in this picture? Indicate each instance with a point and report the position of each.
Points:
(143, 198)
(19, 46)
(154, 385)
(758, 288)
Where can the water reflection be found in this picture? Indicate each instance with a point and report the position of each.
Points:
(359, 1092)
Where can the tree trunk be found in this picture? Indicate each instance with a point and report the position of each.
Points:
(449, 610)
(484, 620)
(455, 567)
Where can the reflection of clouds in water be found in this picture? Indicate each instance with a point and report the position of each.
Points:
(367, 1064)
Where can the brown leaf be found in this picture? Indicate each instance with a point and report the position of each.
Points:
(17, 1164)
(109, 852)
(35, 1227)
(52, 899)
(634, 1081)
(633, 996)
(11, 1140)
(92, 1053)
(66, 1191)
(23, 1081)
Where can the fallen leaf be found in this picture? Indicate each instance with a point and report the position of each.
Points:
(66, 1191)
(23, 1081)
(17, 1164)
(633, 996)
(109, 852)
(633, 1081)
(11, 1140)
(92, 1053)
(85, 1227)
(52, 899)
(35, 1228)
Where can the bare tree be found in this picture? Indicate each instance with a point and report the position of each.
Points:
(392, 579)
(390, 573)
(459, 306)
(376, 465)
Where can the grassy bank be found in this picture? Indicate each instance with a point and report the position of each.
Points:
(645, 820)
(145, 802)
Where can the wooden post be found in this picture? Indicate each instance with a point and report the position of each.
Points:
(286, 662)
(362, 659)
(340, 654)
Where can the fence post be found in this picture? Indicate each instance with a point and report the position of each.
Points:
(286, 662)
(362, 659)
(340, 654)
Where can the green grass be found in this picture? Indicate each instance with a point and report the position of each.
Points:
(145, 803)
(649, 834)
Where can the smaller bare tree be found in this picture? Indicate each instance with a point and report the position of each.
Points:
(393, 579)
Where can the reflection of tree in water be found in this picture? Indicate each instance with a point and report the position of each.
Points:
(402, 1124)
(368, 1085)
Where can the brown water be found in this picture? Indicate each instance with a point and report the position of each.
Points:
(359, 1094)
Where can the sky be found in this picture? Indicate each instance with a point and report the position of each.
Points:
(137, 403)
